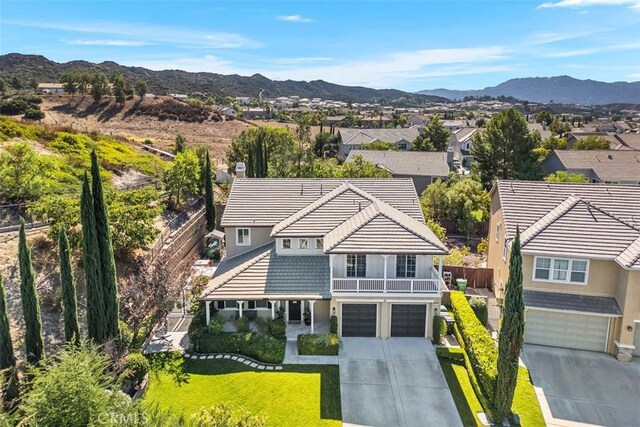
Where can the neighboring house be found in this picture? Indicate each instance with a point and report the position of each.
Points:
(575, 136)
(606, 127)
(454, 125)
(598, 166)
(422, 167)
(460, 145)
(256, 113)
(358, 249)
(227, 111)
(628, 141)
(354, 139)
(580, 262)
(50, 88)
(415, 120)
(541, 129)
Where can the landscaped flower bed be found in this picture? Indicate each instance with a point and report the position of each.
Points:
(261, 347)
(318, 344)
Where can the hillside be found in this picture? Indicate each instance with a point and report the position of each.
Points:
(561, 89)
(177, 81)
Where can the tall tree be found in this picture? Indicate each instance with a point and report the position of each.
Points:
(210, 206)
(511, 335)
(105, 251)
(7, 358)
(99, 86)
(33, 340)
(141, 88)
(183, 176)
(435, 136)
(68, 285)
(96, 327)
(180, 145)
(505, 150)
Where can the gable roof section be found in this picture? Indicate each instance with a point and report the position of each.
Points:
(380, 228)
(366, 136)
(608, 165)
(265, 202)
(415, 163)
(630, 257)
(263, 274)
(321, 216)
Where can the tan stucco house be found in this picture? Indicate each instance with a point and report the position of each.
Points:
(581, 261)
(358, 249)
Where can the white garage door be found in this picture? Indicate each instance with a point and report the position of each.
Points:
(567, 330)
(636, 340)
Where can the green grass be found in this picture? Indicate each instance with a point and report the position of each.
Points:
(462, 392)
(525, 401)
(298, 395)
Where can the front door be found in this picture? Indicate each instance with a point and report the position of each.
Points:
(294, 311)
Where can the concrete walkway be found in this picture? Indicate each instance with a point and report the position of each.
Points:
(394, 382)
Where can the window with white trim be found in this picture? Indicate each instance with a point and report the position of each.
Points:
(562, 270)
(243, 237)
(356, 265)
(497, 231)
(286, 243)
(504, 249)
(405, 266)
(303, 244)
(320, 243)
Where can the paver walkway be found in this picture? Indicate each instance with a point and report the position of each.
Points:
(394, 382)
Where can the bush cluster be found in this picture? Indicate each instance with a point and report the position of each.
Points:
(174, 110)
(261, 347)
(135, 367)
(333, 327)
(318, 344)
(439, 329)
(479, 307)
(278, 328)
(479, 347)
(242, 324)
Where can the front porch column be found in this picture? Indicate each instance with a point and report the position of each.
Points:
(273, 309)
(440, 262)
(385, 272)
(207, 311)
(331, 257)
(311, 302)
(240, 304)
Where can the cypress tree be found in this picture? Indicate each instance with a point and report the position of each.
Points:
(34, 342)
(210, 208)
(511, 335)
(105, 250)
(91, 261)
(68, 285)
(7, 358)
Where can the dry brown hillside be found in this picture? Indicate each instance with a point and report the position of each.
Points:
(140, 120)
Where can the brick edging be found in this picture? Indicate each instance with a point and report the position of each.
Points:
(252, 363)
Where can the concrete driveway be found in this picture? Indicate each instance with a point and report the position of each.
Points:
(585, 387)
(394, 382)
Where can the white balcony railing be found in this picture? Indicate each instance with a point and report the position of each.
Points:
(389, 285)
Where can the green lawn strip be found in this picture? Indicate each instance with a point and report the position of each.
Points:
(462, 392)
(525, 401)
(299, 395)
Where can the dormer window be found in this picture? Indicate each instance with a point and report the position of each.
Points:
(303, 244)
(286, 243)
(243, 237)
(320, 243)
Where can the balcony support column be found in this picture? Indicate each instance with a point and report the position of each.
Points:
(207, 311)
(311, 302)
(440, 262)
(331, 257)
(384, 289)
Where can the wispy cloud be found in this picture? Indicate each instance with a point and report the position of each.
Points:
(301, 60)
(634, 76)
(635, 4)
(207, 63)
(105, 42)
(294, 18)
(148, 33)
(593, 50)
(547, 37)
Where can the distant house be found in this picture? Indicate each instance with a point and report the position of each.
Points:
(453, 125)
(415, 120)
(598, 166)
(243, 100)
(50, 88)
(354, 139)
(256, 113)
(180, 96)
(540, 128)
(575, 136)
(460, 145)
(606, 127)
(422, 167)
(227, 111)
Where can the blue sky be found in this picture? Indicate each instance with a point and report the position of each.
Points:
(410, 45)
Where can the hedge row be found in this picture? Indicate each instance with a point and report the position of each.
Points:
(318, 344)
(439, 329)
(455, 354)
(263, 348)
(479, 347)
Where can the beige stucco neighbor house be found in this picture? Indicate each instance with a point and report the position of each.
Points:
(357, 248)
(581, 261)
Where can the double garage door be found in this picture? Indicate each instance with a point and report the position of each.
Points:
(567, 330)
(360, 320)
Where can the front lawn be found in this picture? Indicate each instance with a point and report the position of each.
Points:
(525, 402)
(299, 395)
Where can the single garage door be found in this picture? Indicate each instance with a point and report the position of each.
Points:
(359, 320)
(408, 320)
(567, 330)
(636, 340)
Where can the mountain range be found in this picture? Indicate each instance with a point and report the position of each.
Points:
(163, 82)
(559, 90)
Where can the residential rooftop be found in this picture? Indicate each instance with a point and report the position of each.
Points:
(605, 165)
(417, 163)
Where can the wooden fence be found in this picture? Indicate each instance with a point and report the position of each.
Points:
(451, 225)
(175, 223)
(476, 277)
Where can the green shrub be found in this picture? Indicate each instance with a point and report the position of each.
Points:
(263, 324)
(242, 324)
(318, 344)
(479, 307)
(216, 324)
(439, 329)
(483, 246)
(452, 353)
(261, 347)
(333, 328)
(479, 347)
(279, 328)
(135, 367)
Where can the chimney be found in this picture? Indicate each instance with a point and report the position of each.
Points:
(240, 170)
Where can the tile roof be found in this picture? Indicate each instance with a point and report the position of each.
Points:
(394, 231)
(365, 136)
(593, 220)
(572, 302)
(261, 273)
(607, 165)
(266, 202)
(415, 163)
(628, 141)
